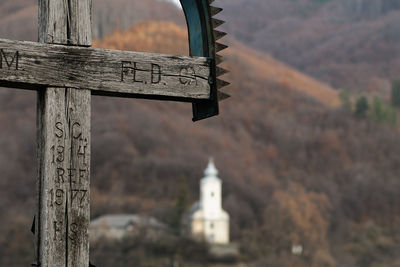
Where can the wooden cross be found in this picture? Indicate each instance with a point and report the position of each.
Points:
(65, 73)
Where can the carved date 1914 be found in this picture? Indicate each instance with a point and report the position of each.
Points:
(70, 184)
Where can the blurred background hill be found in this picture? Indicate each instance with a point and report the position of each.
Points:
(302, 162)
(327, 39)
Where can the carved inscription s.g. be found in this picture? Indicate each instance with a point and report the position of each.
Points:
(9, 60)
(58, 152)
(69, 159)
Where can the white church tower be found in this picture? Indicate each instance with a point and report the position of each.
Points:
(207, 218)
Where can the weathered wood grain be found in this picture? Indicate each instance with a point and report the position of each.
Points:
(63, 159)
(105, 72)
(65, 177)
(53, 21)
(80, 32)
(73, 26)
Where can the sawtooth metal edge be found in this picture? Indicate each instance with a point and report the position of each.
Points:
(203, 35)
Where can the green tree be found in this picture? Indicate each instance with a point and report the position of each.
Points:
(383, 113)
(181, 206)
(396, 93)
(361, 107)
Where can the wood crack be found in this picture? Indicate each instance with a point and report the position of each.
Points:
(68, 12)
(120, 73)
(60, 110)
(66, 233)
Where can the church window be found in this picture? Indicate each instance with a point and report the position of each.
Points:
(212, 194)
(211, 226)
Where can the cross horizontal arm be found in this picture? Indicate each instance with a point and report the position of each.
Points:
(105, 72)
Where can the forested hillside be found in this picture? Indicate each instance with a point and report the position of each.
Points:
(19, 18)
(297, 168)
(349, 44)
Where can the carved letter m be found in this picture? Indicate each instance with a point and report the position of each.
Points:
(8, 62)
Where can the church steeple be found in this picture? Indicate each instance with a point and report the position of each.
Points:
(211, 172)
(210, 220)
(210, 191)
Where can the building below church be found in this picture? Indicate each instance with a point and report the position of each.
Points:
(119, 226)
(207, 220)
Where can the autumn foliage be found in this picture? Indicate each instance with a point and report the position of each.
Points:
(159, 37)
(297, 168)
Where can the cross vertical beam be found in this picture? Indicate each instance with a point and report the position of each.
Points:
(63, 125)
